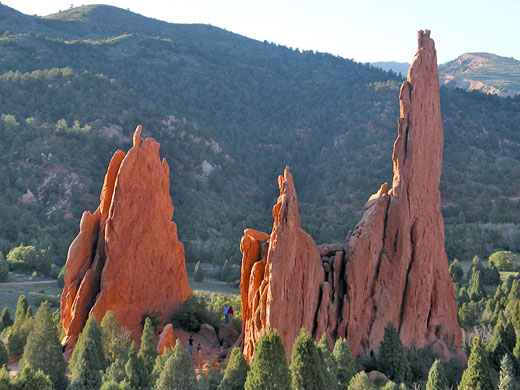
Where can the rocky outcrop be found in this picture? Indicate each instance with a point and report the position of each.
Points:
(393, 266)
(167, 339)
(126, 257)
(279, 281)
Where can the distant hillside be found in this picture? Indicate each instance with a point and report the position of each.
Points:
(397, 67)
(483, 72)
(230, 113)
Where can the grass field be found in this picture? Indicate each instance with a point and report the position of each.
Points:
(33, 289)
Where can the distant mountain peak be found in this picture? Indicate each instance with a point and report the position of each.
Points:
(486, 72)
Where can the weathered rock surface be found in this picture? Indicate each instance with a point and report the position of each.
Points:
(209, 333)
(126, 257)
(228, 334)
(393, 267)
(279, 287)
(167, 339)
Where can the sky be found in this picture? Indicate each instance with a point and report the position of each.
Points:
(364, 30)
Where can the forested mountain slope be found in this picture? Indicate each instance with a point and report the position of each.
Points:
(230, 113)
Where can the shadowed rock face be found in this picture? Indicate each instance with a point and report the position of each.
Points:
(126, 257)
(393, 267)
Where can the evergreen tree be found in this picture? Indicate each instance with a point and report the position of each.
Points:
(269, 368)
(4, 356)
(159, 364)
(306, 371)
(43, 349)
(148, 350)
(113, 385)
(509, 336)
(5, 319)
(4, 268)
(516, 350)
(115, 372)
(30, 379)
(88, 359)
(361, 381)
(21, 328)
(5, 379)
(394, 386)
(456, 271)
(115, 341)
(135, 370)
(236, 372)
(22, 309)
(346, 365)
(436, 377)
(393, 357)
(497, 347)
(476, 288)
(198, 273)
(507, 377)
(178, 372)
(478, 374)
(329, 366)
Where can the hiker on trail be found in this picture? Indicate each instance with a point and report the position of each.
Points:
(226, 314)
(230, 313)
(199, 352)
(190, 342)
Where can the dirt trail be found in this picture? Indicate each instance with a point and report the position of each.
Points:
(27, 283)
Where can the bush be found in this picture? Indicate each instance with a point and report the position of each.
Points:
(4, 268)
(61, 277)
(504, 260)
(28, 259)
(192, 313)
(198, 274)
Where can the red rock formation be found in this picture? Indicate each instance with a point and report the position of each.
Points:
(126, 257)
(394, 267)
(279, 288)
(167, 339)
(397, 269)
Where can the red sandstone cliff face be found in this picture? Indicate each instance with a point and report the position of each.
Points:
(278, 283)
(126, 257)
(393, 268)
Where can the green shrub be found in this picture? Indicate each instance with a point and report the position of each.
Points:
(61, 277)
(4, 268)
(198, 273)
(504, 260)
(28, 259)
(192, 313)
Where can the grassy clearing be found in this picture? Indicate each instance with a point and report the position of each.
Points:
(35, 293)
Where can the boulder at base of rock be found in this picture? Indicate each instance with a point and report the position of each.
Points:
(167, 339)
(209, 333)
(228, 334)
(126, 257)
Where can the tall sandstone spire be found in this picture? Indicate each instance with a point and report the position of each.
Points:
(393, 267)
(126, 257)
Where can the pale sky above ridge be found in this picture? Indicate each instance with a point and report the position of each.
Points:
(365, 30)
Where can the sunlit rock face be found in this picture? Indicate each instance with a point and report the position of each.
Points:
(126, 257)
(392, 268)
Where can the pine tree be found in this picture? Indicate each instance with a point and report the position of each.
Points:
(236, 372)
(456, 271)
(361, 381)
(29, 379)
(178, 372)
(306, 371)
(4, 356)
(22, 326)
(507, 377)
(329, 366)
(115, 372)
(476, 288)
(5, 379)
(159, 364)
(148, 350)
(135, 370)
(393, 357)
(497, 347)
(43, 349)
(346, 366)
(5, 319)
(269, 368)
(198, 273)
(436, 377)
(88, 359)
(478, 374)
(116, 342)
(509, 336)
(22, 309)
(394, 386)
(4, 268)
